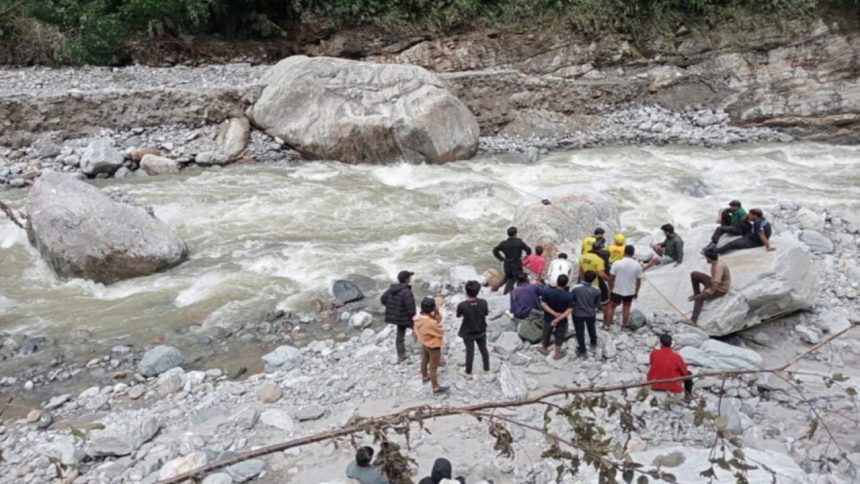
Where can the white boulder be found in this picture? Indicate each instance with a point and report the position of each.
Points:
(155, 165)
(716, 355)
(233, 136)
(364, 112)
(100, 156)
(284, 357)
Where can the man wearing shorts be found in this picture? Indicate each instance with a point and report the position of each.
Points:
(625, 278)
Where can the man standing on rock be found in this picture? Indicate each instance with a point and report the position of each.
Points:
(757, 237)
(429, 330)
(625, 278)
(557, 304)
(716, 285)
(586, 303)
(732, 221)
(671, 250)
(399, 305)
(667, 364)
(593, 261)
(473, 328)
(510, 253)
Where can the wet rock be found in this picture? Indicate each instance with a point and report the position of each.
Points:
(312, 412)
(123, 437)
(346, 291)
(233, 136)
(721, 356)
(269, 392)
(360, 320)
(210, 158)
(284, 358)
(512, 383)
(160, 359)
(398, 112)
(155, 165)
(100, 157)
(245, 470)
(278, 419)
(81, 232)
(815, 241)
(181, 465)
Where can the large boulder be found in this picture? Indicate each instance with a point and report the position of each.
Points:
(81, 232)
(122, 437)
(363, 112)
(765, 285)
(100, 157)
(570, 216)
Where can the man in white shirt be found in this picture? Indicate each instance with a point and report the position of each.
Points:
(558, 267)
(625, 277)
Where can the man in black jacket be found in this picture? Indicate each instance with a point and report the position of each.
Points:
(399, 305)
(510, 252)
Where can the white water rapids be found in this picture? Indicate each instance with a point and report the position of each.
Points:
(264, 235)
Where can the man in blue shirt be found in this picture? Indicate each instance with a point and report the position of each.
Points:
(759, 235)
(557, 304)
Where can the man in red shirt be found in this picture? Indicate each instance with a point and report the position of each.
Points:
(666, 364)
(535, 263)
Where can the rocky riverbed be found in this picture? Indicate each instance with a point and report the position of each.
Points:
(146, 419)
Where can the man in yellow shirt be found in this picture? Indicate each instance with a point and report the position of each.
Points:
(592, 261)
(597, 238)
(616, 250)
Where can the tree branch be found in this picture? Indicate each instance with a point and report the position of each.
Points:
(11, 214)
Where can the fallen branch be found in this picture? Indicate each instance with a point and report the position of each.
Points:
(11, 214)
(425, 412)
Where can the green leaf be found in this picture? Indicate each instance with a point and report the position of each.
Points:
(627, 475)
(851, 391)
(839, 377)
(643, 479)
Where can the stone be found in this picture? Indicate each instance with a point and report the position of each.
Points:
(278, 419)
(346, 291)
(137, 154)
(218, 478)
(311, 412)
(512, 383)
(807, 334)
(81, 232)
(45, 420)
(609, 349)
(155, 165)
(507, 344)
(637, 320)
(692, 186)
(34, 415)
(122, 437)
(500, 325)
(765, 285)
(571, 215)
(169, 384)
(269, 392)
(62, 450)
(181, 465)
(283, 358)
(47, 148)
(831, 321)
(732, 417)
(717, 355)
(809, 219)
(360, 320)
(136, 392)
(100, 156)
(210, 158)
(233, 136)
(245, 470)
(816, 241)
(359, 112)
(690, 337)
(761, 338)
(58, 401)
(97, 402)
(160, 359)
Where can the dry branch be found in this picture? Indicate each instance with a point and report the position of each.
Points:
(425, 412)
(11, 214)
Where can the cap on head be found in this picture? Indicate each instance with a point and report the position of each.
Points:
(735, 203)
(666, 340)
(620, 239)
(512, 231)
(404, 276)
(428, 305)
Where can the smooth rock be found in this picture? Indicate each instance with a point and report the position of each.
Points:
(233, 136)
(245, 470)
(346, 291)
(34, 415)
(181, 465)
(499, 326)
(717, 355)
(100, 156)
(155, 165)
(136, 392)
(761, 338)
(832, 322)
(809, 219)
(278, 419)
(81, 232)
(58, 401)
(512, 383)
(816, 241)
(807, 334)
(637, 320)
(359, 112)
(123, 437)
(690, 337)
(507, 344)
(284, 358)
(137, 154)
(732, 417)
(312, 412)
(218, 478)
(360, 320)
(210, 158)
(269, 392)
(160, 359)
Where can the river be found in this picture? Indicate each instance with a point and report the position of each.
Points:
(262, 236)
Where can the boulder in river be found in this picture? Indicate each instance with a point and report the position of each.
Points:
(346, 291)
(101, 156)
(570, 216)
(155, 165)
(160, 359)
(765, 285)
(81, 232)
(364, 112)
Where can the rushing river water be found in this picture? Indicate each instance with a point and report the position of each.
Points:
(261, 236)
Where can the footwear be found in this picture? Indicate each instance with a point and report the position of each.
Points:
(543, 351)
(437, 391)
(688, 397)
(559, 355)
(467, 376)
(401, 359)
(509, 314)
(425, 380)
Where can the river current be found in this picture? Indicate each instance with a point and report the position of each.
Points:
(262, 236)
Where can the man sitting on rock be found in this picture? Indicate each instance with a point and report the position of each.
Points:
(667, 364)
(716, 285)
(671, 250)
(558, 267)
(557, 304)
(732, 221)
(757, 237)
(361, 469)
(526, 309)
(510, 253)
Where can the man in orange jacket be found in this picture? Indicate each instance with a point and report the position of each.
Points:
(665, 364)
(429, 331)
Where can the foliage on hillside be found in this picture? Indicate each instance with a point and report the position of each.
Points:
(94, 31)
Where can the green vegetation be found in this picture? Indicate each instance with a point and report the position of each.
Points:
(95, 31)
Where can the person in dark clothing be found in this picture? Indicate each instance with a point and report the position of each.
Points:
(473, 328)
(732, 221)
(442, 469)
(557, 304)
(400, 310)
(757, 237)
(361, 469)
(670, 251)
(526, 297)
(510, 253)
(586, 303)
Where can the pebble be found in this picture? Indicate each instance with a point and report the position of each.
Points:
(269, 392)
